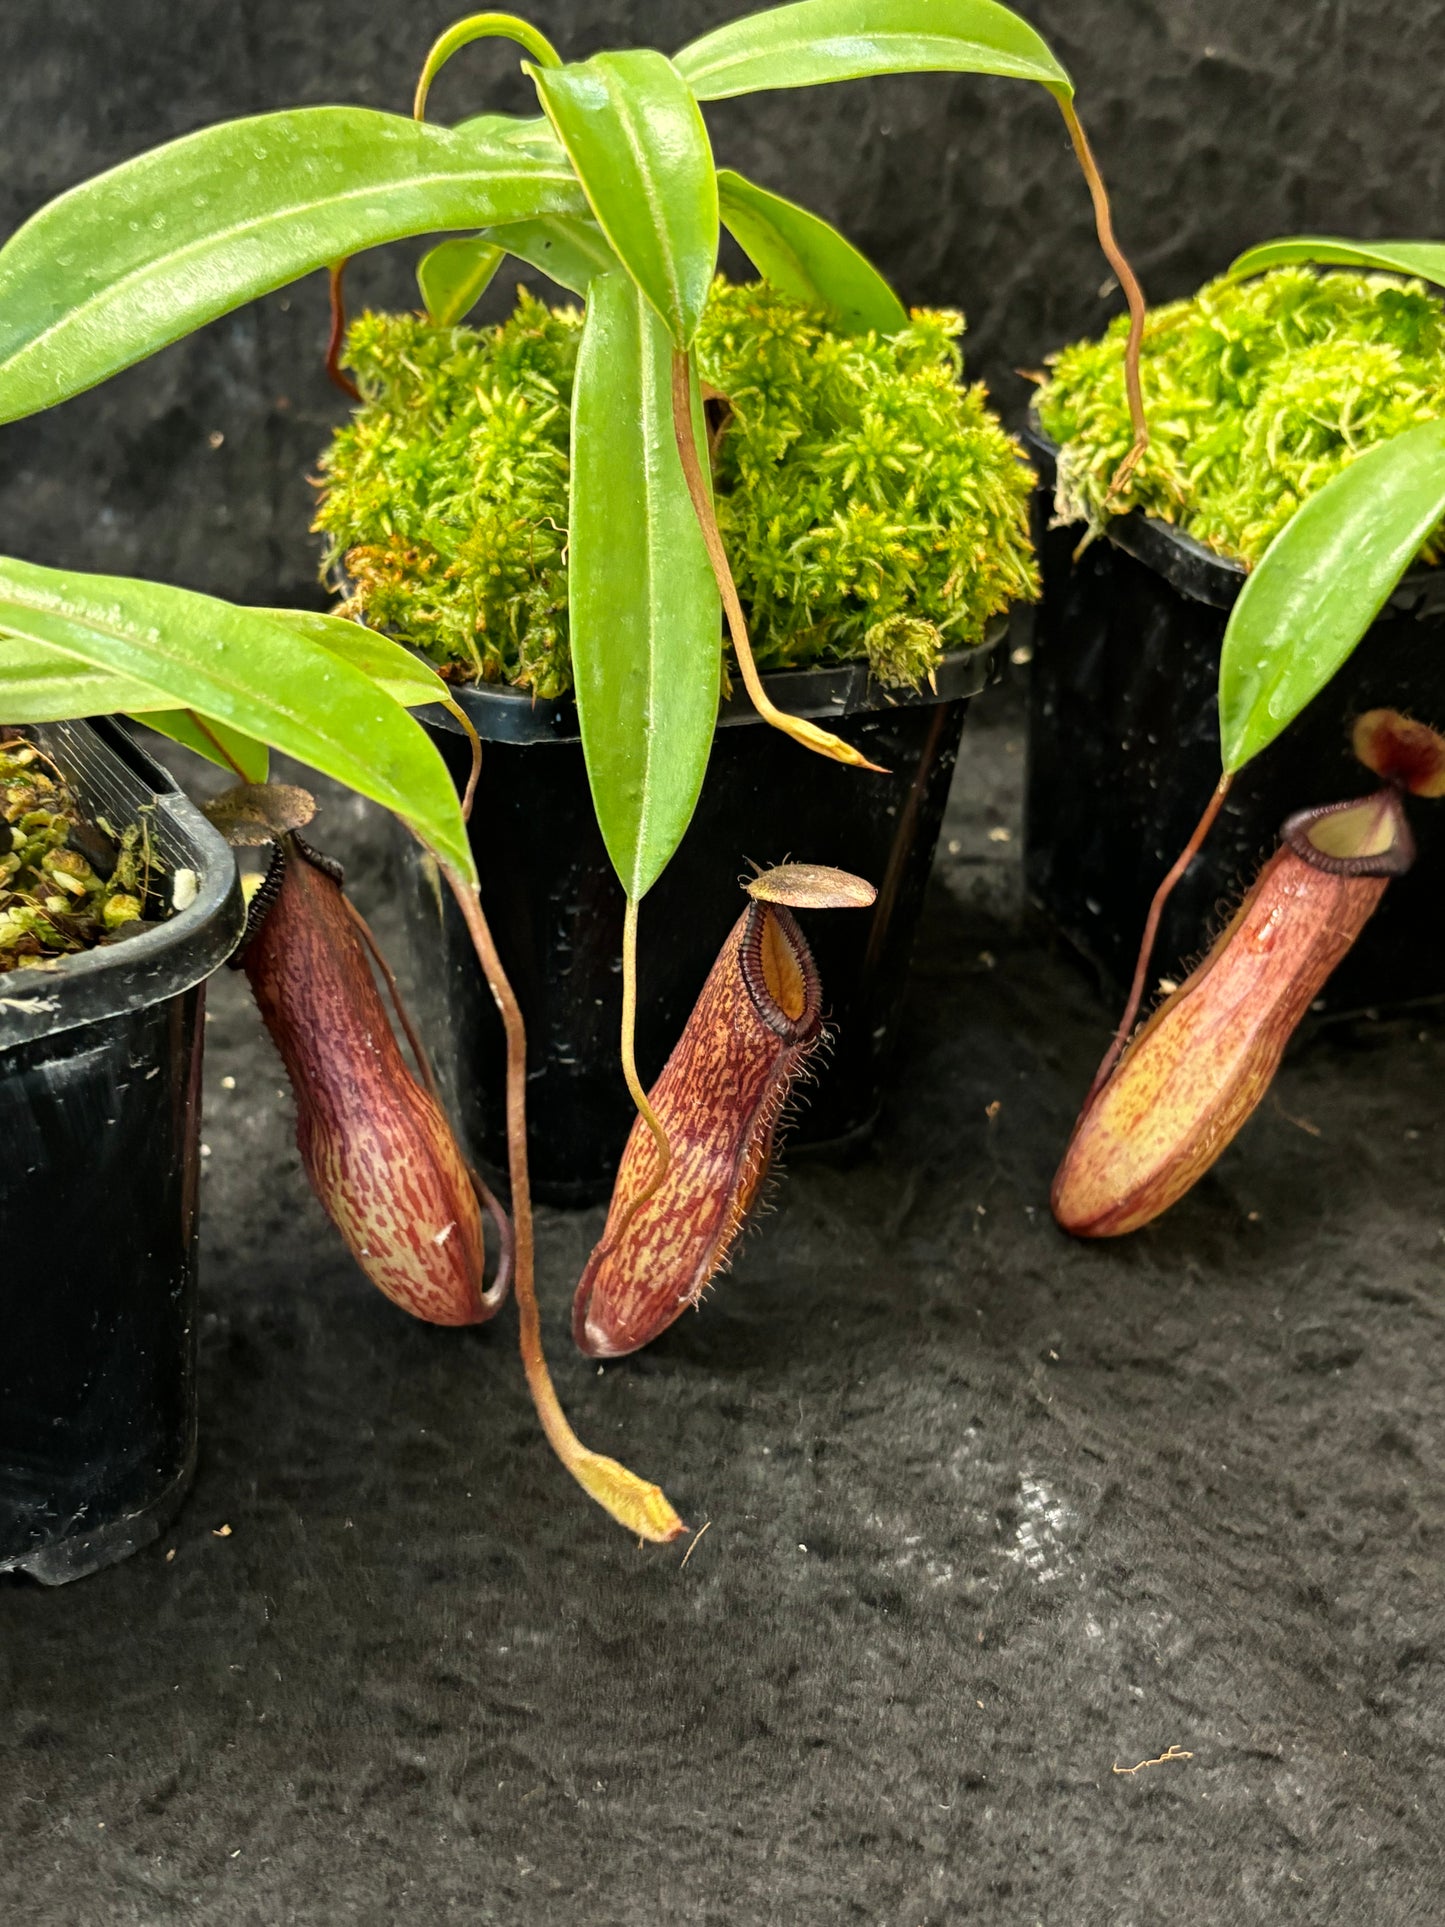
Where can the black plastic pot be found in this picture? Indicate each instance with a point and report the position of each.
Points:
(100, 1084)
(1124, 752)
(556, 908)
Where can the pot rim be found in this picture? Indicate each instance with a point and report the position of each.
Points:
(1187, 564)
(115, 776)
(500, 714)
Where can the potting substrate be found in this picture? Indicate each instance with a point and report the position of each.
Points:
(993, 1520)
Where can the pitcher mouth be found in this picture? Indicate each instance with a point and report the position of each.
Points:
(1367, 837)
(779, 972)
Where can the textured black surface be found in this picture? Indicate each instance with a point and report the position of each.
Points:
(991, 1514)
(1218, 123)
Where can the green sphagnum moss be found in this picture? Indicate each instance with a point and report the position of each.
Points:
(872, 505)
(1257, 392)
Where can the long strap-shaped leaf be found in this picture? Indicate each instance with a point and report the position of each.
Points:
(228, 748)
(39, 684)
(1321, 583)
(42, 684)
(816, 41)
(35, 677)
(531, 131)
(791, 248)
(452, 278)
(645, 618)
(396, 671)
(139, 256)
(799, 253)
(636, 138)
(1423, 258)
(392, 667)
(250, 672)
(569, 248)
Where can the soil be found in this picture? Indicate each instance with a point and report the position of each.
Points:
(992, 1519)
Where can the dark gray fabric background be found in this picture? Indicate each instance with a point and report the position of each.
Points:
(1218, 122)
(991, 1514)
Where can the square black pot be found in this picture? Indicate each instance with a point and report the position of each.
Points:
(100, 1114)
(1124, 753)
(556, 908)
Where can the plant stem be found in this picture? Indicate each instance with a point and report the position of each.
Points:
(641, 1507)
(1128, 281)
(338, 334)
(1151, 931)
(480, 26)
(798, 727)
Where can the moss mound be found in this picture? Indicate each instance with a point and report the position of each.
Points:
(871, 503)
(1258, 393)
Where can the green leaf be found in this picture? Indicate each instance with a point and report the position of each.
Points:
(454, 276)
(800, 254)
(570, 248)
(480, 26)
(43, 685)
(227, 748)
(39, 684)
(1423, 258)
(1321, 583)
(636, 139)
(532, 132)
(645, 617)
(140, 256)
(251, 673)
(822, 40)
(391, 665)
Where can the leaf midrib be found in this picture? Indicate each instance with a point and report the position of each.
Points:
(1020, 68)
(113, 291)
(161, 647)
(648, 421)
